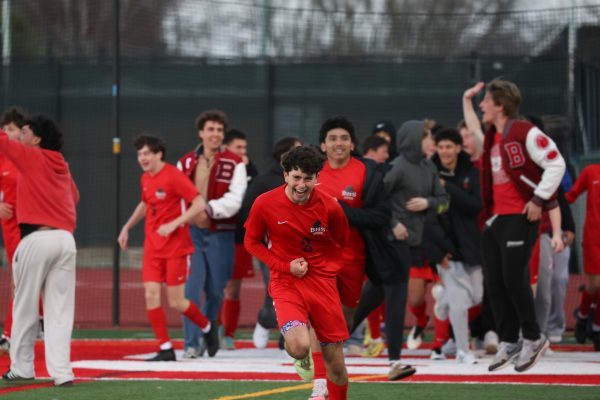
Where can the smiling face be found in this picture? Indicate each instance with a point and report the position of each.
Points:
(448, 152)
(239, 147)
(149, 161)
(337, 146)
(212, 135)
(28, 138)
(299, 185)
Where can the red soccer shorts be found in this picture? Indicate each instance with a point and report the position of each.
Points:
(242, 264)
(423, 272)
(591, 259)
(173, 271)
(350, 282)
(312, 298)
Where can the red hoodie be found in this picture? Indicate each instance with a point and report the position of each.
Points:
(46, 193)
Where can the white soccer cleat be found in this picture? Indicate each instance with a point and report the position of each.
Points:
(260, 336)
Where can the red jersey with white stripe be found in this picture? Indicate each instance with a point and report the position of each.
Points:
(346, 184)
(507, 199)
(166, 195)
(589, 181)
(315, 231)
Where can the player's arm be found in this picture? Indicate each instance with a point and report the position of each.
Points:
(136, 216)
(543, 151)
(555, 221)
(469, 114)
(15, 151)
(338, 225)
(467, 201)
(198, 205)
(579, 186)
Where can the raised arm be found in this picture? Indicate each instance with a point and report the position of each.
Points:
(469, 114)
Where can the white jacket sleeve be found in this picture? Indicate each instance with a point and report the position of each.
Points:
(543, 151)
(231, 202)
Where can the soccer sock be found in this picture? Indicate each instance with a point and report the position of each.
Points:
(231, 316)
(337, 392)
(419, 312)
(158, 321)
(196, 316)
(319, 365)
(585, 304)
(8, 323)
(374, 319)
(441, 332)
(475, 311)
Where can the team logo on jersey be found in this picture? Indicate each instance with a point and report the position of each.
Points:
(349, 193)
(541, 141)
(160, 194)
(317, 228)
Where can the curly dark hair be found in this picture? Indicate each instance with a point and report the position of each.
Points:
(44, 128)
(305, 158)
(14, 115)
(211, 115)
(339, 121)
(450, 134)
(155, 144)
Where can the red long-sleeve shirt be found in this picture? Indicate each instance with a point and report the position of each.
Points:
(589, 181)
(46, 193)
(316, 231)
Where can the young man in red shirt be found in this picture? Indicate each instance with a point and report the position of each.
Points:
(521, 171)
(305, 232)
(167, 245)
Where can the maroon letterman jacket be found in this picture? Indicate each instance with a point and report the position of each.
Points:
(531, 160)
(226, 186)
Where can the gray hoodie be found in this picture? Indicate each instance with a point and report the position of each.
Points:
(412, 175)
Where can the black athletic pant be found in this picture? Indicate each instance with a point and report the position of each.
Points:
(506, 248)
(395, 309)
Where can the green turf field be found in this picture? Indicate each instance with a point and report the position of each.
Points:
(158, 390)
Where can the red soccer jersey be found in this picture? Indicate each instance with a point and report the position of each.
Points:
(8, 194)
(589, 181)
(166, 194)
(346, 184)
(507, 199)
(316, 231)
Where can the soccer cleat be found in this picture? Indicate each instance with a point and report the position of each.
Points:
(400, 371)
(305, 367)
(490, 342)
(190, 353)
(374, 348)
(449, 348)
(260, 336)
(531, 352)
(465, 357)
(212, 339)
(11, 376)
(4, 344)
(580, 327)
(507, 352)
(319, 390)
(436, 354)
(227, 343)
(415, 338)
(164, 355)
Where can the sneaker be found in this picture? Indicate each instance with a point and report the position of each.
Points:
(227, 343)
(415, 337)
(353, 350)
(4, 344)
(400, 371)
(11, 376)
(596, 340)
(164, 355)
(465, 357)
(490, 342)
(319, 390)
(190, 353)
(212, 339)
(436, 354)
(305, 367)
(374, 349)
(580, 327)
(507, 352)
(260, 337)
(449, 348)
(530, 354)
(555, 338)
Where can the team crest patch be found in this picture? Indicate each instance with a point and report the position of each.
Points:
(317, 228)
(552, 155)
(160, 194)
(349, 193)
(541, 141)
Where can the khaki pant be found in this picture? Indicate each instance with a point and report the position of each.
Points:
(44, 262)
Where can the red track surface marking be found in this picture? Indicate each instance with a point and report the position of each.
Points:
(23, 388)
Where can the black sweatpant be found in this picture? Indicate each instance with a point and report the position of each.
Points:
(395, 309)
(506, 248)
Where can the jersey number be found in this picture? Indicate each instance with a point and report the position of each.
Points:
(306, 246)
